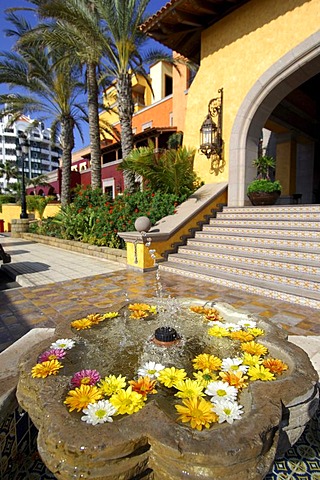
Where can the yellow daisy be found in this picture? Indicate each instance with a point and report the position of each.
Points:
(127, 401)
(189, 389)
(139, 306)
(205, 376)
(251, 360)
(80, 397)
(254, 348)
(241, 336)
(94, 318)
(275, 365)
(256, 332)
(259, 372)
(110, 315)
(112, 384)
(137, 314)
(81, 324)
(44, 369)
(206, 361)
(197, 411)
(217, 331)
(171, 375)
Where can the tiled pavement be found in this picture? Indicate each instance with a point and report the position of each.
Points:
(99, 284)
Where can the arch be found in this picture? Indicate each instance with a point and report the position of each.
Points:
(290, 71)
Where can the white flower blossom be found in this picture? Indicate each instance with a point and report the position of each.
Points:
(233, 365)
(227, 411)
(64, 343)
(222, 390)
(99, 412)
(150, 369)
(247, 323)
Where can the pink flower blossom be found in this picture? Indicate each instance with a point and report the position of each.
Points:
(52, 354)
(85, 377)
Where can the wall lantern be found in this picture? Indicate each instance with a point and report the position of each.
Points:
(211, 143)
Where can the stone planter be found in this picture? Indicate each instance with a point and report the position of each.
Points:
(263, 198)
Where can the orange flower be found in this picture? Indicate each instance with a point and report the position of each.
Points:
(95, 318)
(138, 314)
(275, 365)
(236, 379)
(144, 386)
(254, 348)
(242, 336)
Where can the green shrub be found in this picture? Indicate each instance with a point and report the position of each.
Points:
(264, 185)
(6, 198)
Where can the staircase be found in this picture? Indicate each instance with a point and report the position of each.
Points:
(270, 251)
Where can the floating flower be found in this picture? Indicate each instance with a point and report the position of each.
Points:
(197, 411)
(110, 315)
(228, 411)
(242, 336)
(144, 307)
(275, 365)
(65, 343)
(150, 369)
(80, 397)
(251, 360)
(246, 323)
(127, 401)
(99, 412)
(233, 365)
(199, 309)
(254, 348)
(171, 375)
(82, 324)
(232, 327)
(235, 379)
(112, 384)
(256, 332)
(217, 331)
(85, 377)
(206, 361)
(259, 372)
(137, 314)
(205, 376)
(44, 369)
(144, 385)
(220, 389)
(52, 354)
(94, 318)
(189, 389)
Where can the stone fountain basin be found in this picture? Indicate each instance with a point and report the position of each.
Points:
(150, 444)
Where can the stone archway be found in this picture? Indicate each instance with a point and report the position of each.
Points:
(290, 71)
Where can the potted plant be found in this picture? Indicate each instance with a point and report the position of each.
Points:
(263, 190)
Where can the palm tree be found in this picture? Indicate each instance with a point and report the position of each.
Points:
(8, 171)
(105, 34)
(51, 87)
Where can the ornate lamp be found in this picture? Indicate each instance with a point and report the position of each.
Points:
(211, 143)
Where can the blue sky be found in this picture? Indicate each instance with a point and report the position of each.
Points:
(6, 44)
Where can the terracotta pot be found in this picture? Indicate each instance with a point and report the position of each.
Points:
(264, 198)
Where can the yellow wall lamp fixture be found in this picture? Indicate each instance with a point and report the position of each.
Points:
(211, 142)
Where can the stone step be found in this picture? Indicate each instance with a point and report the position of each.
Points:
(298, 216)
(258, 287)
(267, 224)
(301, 209)
(282, 251)
(308, 283)
(266, 232)
(289, 266)
(278, 243)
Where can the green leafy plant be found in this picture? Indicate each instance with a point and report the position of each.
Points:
(263, 182)
(264, 185)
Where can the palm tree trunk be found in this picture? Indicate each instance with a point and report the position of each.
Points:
(67, 142)
(126, 109)
(93, 111)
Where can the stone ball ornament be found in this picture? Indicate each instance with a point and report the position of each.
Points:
(142, 224)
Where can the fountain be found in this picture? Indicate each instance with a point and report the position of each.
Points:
(149, 435)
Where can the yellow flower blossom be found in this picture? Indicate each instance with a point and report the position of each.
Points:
(197, 411)
(205, 376)
(242, 336)
(256, 332)
(127, 401)
(235, 379)
(112, 384)
(251, 360)
(94, 318)
(81, 324)
(141, 306)
(205, 360)
(217, 331)
(80, 397)
(259, 372)
(137, 314)
(110, 315)
(189, 388)
(170, 376)
(275, 365)
(44, 369)
(254, 348)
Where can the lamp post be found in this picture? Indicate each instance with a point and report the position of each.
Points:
(22, 151)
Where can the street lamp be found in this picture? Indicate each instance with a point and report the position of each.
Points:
(22, 152)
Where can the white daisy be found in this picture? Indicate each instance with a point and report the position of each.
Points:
(232, 327)
(151, 369)
(246, 323)
(221, 390)
(64, 343)
(227, 411)
(216, 323)
(99, 412)
(233, 365)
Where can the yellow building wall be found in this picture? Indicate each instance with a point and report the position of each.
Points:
(11, 211)
(234, 54)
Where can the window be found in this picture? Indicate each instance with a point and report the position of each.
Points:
(168, 88)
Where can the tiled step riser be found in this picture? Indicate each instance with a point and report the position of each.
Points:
(247, 261)
(252, 289)
(249, 274)
(266, 242)
(300, 209)
(288, 225)
(268, 232)
(285, 255)
(310, 217)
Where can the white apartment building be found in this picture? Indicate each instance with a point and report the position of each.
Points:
(42, 156)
